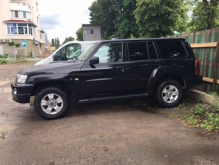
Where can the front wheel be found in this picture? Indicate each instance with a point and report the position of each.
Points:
(169, 93)
(51, 103)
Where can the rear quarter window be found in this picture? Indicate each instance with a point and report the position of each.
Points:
(171, 49)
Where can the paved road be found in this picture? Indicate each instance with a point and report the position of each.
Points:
(98, 133)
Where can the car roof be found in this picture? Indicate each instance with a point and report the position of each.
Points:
(143, 39)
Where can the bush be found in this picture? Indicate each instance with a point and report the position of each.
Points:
(30, 55)
(4, 56)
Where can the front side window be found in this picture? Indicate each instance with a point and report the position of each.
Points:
(87, 51)
(171, 48)
(110, 53)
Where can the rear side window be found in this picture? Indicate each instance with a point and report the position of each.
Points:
(141, 51)
(171, 48)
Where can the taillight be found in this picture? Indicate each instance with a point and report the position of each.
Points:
(197, 67)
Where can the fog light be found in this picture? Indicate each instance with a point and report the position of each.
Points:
(15, 91)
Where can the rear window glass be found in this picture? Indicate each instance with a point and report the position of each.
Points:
(171, 48)
(141, 51)
(138, 51)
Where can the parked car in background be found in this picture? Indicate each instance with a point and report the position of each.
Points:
(162, 68)
(67, 52)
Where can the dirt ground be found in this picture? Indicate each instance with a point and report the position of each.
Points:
(97, 133)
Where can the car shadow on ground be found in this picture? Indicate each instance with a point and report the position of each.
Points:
(110, 106)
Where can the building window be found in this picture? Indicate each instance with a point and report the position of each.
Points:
(20, 29)
(89, 31)
(16, 14)
(25, 14)
(20, 14)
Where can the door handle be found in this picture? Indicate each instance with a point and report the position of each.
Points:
(121, 68)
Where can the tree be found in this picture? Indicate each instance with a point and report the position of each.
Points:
(104, 13)
(79, 34)
(205, 15)
(159, 18)
(57, 43)
(126, 24)
(67, 39)
(52, 42)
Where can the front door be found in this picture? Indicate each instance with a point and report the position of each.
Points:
(107, 77)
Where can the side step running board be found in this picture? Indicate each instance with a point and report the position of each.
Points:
(113, 97)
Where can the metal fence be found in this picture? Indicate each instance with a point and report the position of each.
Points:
(14, 55)
(205, 45)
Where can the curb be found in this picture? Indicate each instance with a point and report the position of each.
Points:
(199, 95)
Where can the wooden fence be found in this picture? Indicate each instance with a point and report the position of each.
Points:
(205, 45)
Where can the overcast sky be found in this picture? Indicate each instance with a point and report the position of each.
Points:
(62, 18)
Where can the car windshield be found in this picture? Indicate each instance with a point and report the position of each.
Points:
(89, 50)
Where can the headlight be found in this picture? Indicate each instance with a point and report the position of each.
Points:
(21, 78)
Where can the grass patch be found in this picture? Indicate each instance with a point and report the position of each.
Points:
(198, 115)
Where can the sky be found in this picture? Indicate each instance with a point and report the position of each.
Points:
(62, 18)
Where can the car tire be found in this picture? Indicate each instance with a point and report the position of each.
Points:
(51, 103)
(169, 93)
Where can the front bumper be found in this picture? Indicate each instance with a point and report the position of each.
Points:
(193, 81)
(21, 92)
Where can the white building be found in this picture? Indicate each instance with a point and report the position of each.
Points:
(91, 32)
(19, 23)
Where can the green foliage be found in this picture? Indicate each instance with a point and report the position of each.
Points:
(211, 123)
(199, 110)
(30, 55)
(192, 120)
(55, 42)
(79, 34)
(205, 15)
(216, 101)
(159, 18)
(4, 56)
(67, 39)
(200, 115)
(17, 45)
(104, 13)
(126, 26)
(11, 44)
(115, 17)
(152, 18)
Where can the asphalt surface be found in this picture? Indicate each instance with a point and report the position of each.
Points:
(97, 133)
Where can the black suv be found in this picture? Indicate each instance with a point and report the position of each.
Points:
(162, 68)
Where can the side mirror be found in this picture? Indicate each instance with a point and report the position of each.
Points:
(94, 60)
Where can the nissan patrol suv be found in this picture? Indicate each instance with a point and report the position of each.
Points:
(162, 68)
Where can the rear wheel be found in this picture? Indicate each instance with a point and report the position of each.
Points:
(51, 103)
(169, 93)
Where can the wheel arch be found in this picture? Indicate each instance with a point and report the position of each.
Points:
(57, 84)
(155, 82)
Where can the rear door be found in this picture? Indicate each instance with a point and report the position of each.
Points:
(142, 60)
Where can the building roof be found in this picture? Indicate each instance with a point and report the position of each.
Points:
(20, 21)
(90, 25)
